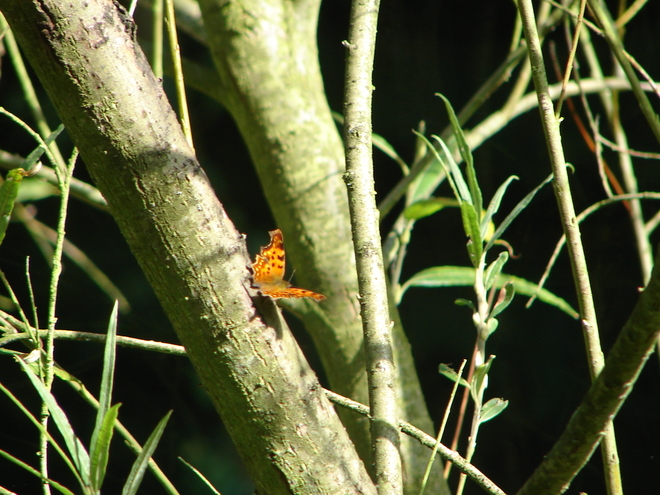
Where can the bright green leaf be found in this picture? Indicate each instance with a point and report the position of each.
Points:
(463, 276)
(516, 211)
(479, 378)
(100, 449)
(494, 269)
(466, 154)
(492, 408)
(427, 207)
(494, 206)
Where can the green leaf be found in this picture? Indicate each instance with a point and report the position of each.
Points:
(502, 302)
(471, 227)
(109, 354)
(74, 445)
(446, 371)
(60, 488)
(44, 431)
(140, 465)
(100, 449)
(455, 174)
(464, 149)
(465, 302)
(491, 326)
(383, 145)
(8, 194)
(34, 156)
(494, 269)
(515, 212)
(494, 206)
(479, 378)
(432, 175)
(463, 276)
(492, 408)
(427, 207)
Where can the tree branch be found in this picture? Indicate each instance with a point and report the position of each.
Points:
(113, 107)
(374, 306)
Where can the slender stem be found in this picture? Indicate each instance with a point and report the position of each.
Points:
(571, 229)
(366, 240)
(175, 53)
(157, 38)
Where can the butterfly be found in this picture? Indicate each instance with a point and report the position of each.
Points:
(268, 270)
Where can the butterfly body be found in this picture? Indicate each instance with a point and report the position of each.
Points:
(268, 269)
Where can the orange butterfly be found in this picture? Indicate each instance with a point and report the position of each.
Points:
(268, 269)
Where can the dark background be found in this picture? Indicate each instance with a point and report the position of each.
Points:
(423, 47)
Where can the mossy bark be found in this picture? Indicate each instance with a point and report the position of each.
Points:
(116, 113)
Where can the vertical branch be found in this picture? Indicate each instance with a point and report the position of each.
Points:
(366, 239)
(571, 229)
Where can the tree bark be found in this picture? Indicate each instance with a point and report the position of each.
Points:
(115, 111)
(266, 55)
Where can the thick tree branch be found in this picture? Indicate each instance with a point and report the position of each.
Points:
(115, 111)
(270, 81)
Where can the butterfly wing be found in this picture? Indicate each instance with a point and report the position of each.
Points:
(269, 264)
(268, 269)
(295, 292)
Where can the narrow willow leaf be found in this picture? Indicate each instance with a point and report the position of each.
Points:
(447, 163)
(491, 326)
(471, 227)
(494, 269)
(455, 173)
(44, 431)
(383, 145)
(35, 189)
(515, 212)
(201, 476)
(100, 449)
(492, 408)
(427, 207)
(109, 354)
(504, 299)
(463, 276)
(74, 445)
(446, 371)
(479, 378)
(140, 465)
(494, 206)
(466, 154)
(8, 194)
(34, 156)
